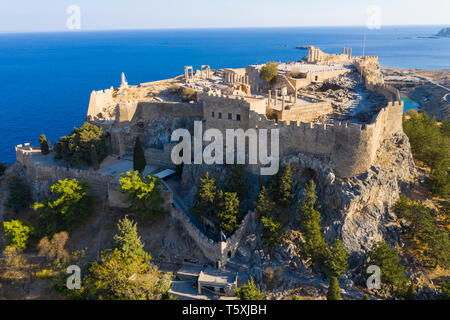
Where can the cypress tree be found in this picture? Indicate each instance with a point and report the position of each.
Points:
(44, 144)
(285, 191)
(128, 241)
(235, 181)
(94, 158)
(139, 161)
(334, 292)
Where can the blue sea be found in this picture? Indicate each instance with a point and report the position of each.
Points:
(46, 78)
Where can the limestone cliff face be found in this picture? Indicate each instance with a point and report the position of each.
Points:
(356, 209)
(359, 209)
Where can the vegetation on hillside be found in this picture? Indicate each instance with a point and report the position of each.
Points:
(67, 206)
(76, 147)
(393, 276)
(249, 291)
(430, 144)
(17, 233)
(19, 196)
(425, 235)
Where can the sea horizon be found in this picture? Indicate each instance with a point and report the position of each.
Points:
(47, 77)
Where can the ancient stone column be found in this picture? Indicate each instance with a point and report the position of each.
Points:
(295, 94)
(269, 98)
(350, 54)
(275, 97)
(343, 50)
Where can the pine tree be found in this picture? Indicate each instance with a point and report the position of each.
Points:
(44, 144)
(337, 259)
(205, 196)
(94, 158)
(314, 245)
(128, 241)
(282, 189)
(139, 161)
(228, 212)
(334, 292)
(265, 206)
(272, 230)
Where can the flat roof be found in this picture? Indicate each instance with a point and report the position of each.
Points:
(215, 276)
(165, 173)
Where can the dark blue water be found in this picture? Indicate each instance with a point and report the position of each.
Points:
(46, 78)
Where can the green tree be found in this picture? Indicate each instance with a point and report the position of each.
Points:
(313, 245)
(272, 229)
(235, 181)
(366, 297)
(205, 196)
(19, 194)
(119, 278)
(281, 186)
(44, 144)
(392, 273)
(264, 205)
(228, 212)
(139, 161)
(76, 147)
(128, 241)
(18, 232)
(249, 292)
(144, 193)
(334, 291)
(269, 71)
(337, 260)
(68, 205)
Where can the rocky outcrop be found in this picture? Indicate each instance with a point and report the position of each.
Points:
(358, 209)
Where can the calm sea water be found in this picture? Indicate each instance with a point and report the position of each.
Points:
(46, 78)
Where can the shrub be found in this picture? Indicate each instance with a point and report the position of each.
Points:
(19, 194)
(76, 147)
(249, 292)
(144, 193)
(269, 71)
(44, 144)
(188, 94)
(68, 205)
(18, 232)
(54, 249)
(272, 229)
